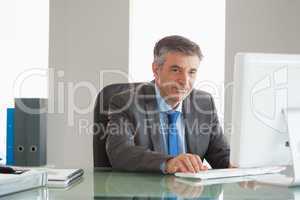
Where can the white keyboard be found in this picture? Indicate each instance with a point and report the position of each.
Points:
(231, 172)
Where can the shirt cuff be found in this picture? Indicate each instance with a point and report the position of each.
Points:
(163, 167)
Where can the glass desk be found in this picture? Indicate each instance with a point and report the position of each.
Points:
(121, 185)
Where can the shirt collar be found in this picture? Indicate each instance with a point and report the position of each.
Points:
(163, 106)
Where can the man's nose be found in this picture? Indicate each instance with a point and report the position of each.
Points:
(184, 79)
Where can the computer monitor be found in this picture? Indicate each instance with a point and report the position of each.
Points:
(264, 86)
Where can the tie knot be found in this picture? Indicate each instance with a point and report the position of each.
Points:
(172, 116)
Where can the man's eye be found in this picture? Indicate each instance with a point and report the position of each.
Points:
(175, 70)
(193, 72)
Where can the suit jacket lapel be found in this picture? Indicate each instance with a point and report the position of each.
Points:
(153, 117)
(189, 120)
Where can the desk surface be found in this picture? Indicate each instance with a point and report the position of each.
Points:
(122, 185)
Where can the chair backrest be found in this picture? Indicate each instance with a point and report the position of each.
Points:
(101, 120)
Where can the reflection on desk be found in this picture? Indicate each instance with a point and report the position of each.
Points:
(138, 185)
(122, 185)
(33, 194)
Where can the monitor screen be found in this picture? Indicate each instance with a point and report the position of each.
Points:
(264, 85)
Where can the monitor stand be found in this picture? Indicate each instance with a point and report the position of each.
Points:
(292, 116)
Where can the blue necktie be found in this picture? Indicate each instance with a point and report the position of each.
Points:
(173, 133)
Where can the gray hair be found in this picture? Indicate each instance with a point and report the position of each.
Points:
(175, 43)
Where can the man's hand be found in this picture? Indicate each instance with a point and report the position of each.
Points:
(232, 166)
(185, 163)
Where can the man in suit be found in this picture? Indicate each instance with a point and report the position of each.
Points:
(166, 125)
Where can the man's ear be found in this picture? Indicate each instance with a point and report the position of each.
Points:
(155, 69)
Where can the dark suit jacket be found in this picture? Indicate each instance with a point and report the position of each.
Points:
(135, 143)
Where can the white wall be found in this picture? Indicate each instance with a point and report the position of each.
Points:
(24, 36)
(85, 37)
(192, 23)
(270, 26)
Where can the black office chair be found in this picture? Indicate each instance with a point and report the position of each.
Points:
(101, 120)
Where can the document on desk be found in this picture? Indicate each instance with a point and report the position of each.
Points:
(276, 179)
(61, 178)
(10, 183)
(285, 178)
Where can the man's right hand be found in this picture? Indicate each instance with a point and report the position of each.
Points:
(185, 163)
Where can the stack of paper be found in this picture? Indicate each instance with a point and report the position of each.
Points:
(10, 183)
(63, 177)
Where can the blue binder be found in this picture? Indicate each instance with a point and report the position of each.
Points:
(10, 136)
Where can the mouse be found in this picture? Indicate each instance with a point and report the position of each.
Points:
(6, 170)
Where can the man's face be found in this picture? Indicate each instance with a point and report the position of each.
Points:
(176, 77)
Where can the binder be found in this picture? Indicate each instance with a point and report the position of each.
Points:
(10, 136)
(30, 131)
